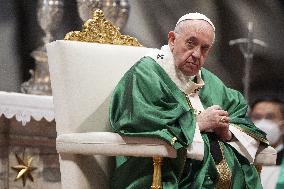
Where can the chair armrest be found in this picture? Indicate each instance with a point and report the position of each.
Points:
(112, 144)
(266, 156)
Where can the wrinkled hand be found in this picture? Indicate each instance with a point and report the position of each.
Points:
(224, 133)
(216, 119)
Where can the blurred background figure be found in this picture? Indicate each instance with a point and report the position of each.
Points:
(267, 112)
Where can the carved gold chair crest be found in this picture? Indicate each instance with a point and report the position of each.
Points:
(100, 30)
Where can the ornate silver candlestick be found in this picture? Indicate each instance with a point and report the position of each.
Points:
(117, 11)
(49, 15)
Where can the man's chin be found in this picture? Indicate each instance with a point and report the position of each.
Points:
(189, 73)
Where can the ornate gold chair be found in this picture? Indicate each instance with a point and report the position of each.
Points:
(83, 75)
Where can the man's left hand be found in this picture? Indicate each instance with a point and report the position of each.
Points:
(224, 133)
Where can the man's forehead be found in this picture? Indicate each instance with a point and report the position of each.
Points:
(196, 28)
(268, 104)
(197, 24)
(265, 107)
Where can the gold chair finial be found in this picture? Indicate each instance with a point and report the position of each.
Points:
(100, 30)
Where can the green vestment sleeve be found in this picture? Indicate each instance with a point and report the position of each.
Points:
(147, 103)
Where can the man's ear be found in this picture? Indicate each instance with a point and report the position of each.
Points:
(171, 39)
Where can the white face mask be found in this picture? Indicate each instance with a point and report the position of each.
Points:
(270, 128)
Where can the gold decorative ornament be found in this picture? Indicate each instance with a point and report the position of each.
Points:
(24, 168)
(225, 175)
(224, 172)
(174, 139)
(100, 30)
(157, 175)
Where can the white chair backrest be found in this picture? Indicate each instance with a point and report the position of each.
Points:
(83, 75)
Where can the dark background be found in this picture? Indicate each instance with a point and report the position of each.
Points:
(150, 21)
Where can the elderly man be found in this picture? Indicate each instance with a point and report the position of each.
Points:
(167, 94)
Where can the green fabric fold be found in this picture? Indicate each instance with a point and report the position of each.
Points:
(145, 104)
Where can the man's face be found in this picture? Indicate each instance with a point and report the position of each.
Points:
(266, 110)
(268, 117)
(190, 45)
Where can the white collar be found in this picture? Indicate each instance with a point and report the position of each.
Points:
(164, 58)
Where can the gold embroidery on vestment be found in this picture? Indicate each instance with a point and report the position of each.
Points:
(224, 173)
(195, 111)
(250, 133)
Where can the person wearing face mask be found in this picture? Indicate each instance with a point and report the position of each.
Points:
(267, 113)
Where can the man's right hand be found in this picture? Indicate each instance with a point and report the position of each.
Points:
(213, 118)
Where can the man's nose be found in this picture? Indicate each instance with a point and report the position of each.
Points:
(196, 52)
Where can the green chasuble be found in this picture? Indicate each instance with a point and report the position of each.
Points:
(146, 102)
